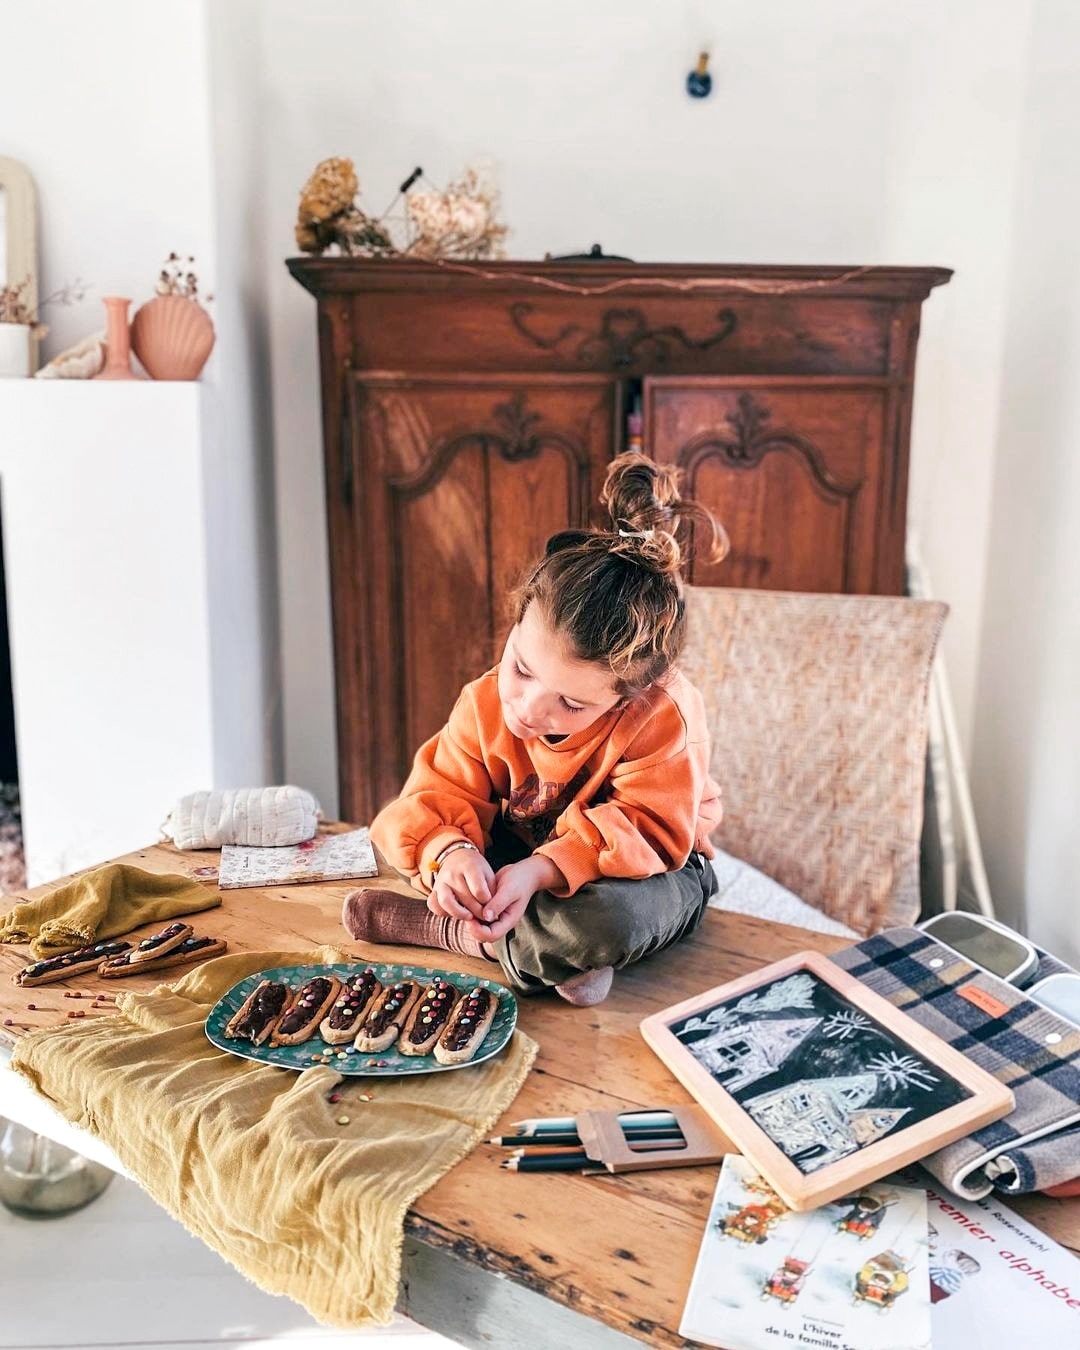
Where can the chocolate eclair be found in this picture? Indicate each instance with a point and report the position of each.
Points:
(388, 1014)
(160, 943)
(469, 1024)
(259, 1013)
(350, 1007)
(308, 1007)
(190, 949)
(428, 1018)
(72, 963)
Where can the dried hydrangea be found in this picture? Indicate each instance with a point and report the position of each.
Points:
(458, 223)
(328, 192)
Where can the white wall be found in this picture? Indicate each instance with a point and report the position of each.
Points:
(138, 122)
(1026, 759)
(838, 132)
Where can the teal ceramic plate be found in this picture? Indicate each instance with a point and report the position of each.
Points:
(387, 1063)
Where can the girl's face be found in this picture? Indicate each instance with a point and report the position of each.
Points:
(546, 692)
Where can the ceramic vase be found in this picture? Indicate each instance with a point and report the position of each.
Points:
(41, 1179)
(172, 336)
(14, 350)
(117, 341)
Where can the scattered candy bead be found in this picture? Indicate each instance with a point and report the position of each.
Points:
(334, 1097)
(343, 1120)
(31, 1007)
(8, 1022)
(366, 1097)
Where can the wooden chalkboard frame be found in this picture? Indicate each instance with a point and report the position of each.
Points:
(989, 1099)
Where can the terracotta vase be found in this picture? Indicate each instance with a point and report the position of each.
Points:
(117, 341)
(172, 337)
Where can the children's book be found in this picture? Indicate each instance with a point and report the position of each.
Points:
(327, 857)
(851, 1275)
(994, 1279)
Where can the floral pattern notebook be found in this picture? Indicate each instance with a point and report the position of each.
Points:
(327, 857)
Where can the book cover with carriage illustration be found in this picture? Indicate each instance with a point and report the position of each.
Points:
(851, 1275)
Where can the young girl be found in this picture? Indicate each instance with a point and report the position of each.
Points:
(559, 823)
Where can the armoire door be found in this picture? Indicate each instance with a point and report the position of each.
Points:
(457, 484)
(793, 469)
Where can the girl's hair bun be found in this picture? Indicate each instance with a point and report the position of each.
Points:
(646, 510)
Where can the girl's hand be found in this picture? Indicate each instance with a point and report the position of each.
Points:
(491, 932)
(463, 886)
(515, 886)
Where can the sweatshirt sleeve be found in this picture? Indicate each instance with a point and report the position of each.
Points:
(447, 796)
(648, 821)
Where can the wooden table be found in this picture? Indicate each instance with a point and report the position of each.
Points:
(531, 1260)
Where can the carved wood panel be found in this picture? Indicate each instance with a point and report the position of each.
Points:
(791, 470)
(462, 482)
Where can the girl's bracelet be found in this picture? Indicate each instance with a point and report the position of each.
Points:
(443, 854)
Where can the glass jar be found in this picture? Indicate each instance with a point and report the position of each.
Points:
(40, 1178)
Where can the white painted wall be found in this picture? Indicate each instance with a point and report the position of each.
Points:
(838, 132)
(139, 124)
(1026, 758)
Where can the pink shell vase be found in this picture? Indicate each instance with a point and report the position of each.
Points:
(172, 336)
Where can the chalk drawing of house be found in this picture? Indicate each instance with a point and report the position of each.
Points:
(817, 1121)
(749, 1050)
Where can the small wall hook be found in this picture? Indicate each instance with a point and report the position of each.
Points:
(699, 81)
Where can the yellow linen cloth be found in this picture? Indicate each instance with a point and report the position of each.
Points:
(253, 1159)
(101, 904)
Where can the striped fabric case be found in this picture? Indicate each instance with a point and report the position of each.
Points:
(1032, 1050)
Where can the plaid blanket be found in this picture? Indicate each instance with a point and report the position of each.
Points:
(994, 1024)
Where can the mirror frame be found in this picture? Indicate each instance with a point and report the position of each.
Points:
(20, 218)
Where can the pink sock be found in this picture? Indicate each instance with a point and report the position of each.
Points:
(591, 986)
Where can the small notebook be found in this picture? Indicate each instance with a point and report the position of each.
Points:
(853, 1273)
(327, 857)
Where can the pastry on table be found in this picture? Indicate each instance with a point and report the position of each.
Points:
(382, 1026)
(259, 1013)
(159, 943)
(190, 949)
(351, 1006)
(426, 1022)
(71, 963)
(308, 1007)
(469, 1023)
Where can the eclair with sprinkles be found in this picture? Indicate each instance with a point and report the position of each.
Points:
(310, 1004)
(70, 964)
(191, 949)
(350, 1007)
(425, 1023)
(469, 1023)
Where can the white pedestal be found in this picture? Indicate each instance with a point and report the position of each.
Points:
(102, 501)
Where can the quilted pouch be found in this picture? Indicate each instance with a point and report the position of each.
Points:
(994, 1024)
(262, 817)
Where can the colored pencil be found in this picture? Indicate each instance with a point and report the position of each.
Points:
(568, 1124)
(557, 1152)
(635, 1132)
(571, 1162)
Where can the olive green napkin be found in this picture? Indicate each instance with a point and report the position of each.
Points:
(306, 1197)
(104, 903)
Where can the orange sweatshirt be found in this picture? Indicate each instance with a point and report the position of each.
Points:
(630, 796)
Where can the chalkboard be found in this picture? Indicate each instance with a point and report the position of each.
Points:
(819, 1075)
(820, 1081)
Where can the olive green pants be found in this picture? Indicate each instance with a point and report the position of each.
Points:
(612, 922)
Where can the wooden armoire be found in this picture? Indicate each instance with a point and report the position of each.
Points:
(470, 410)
